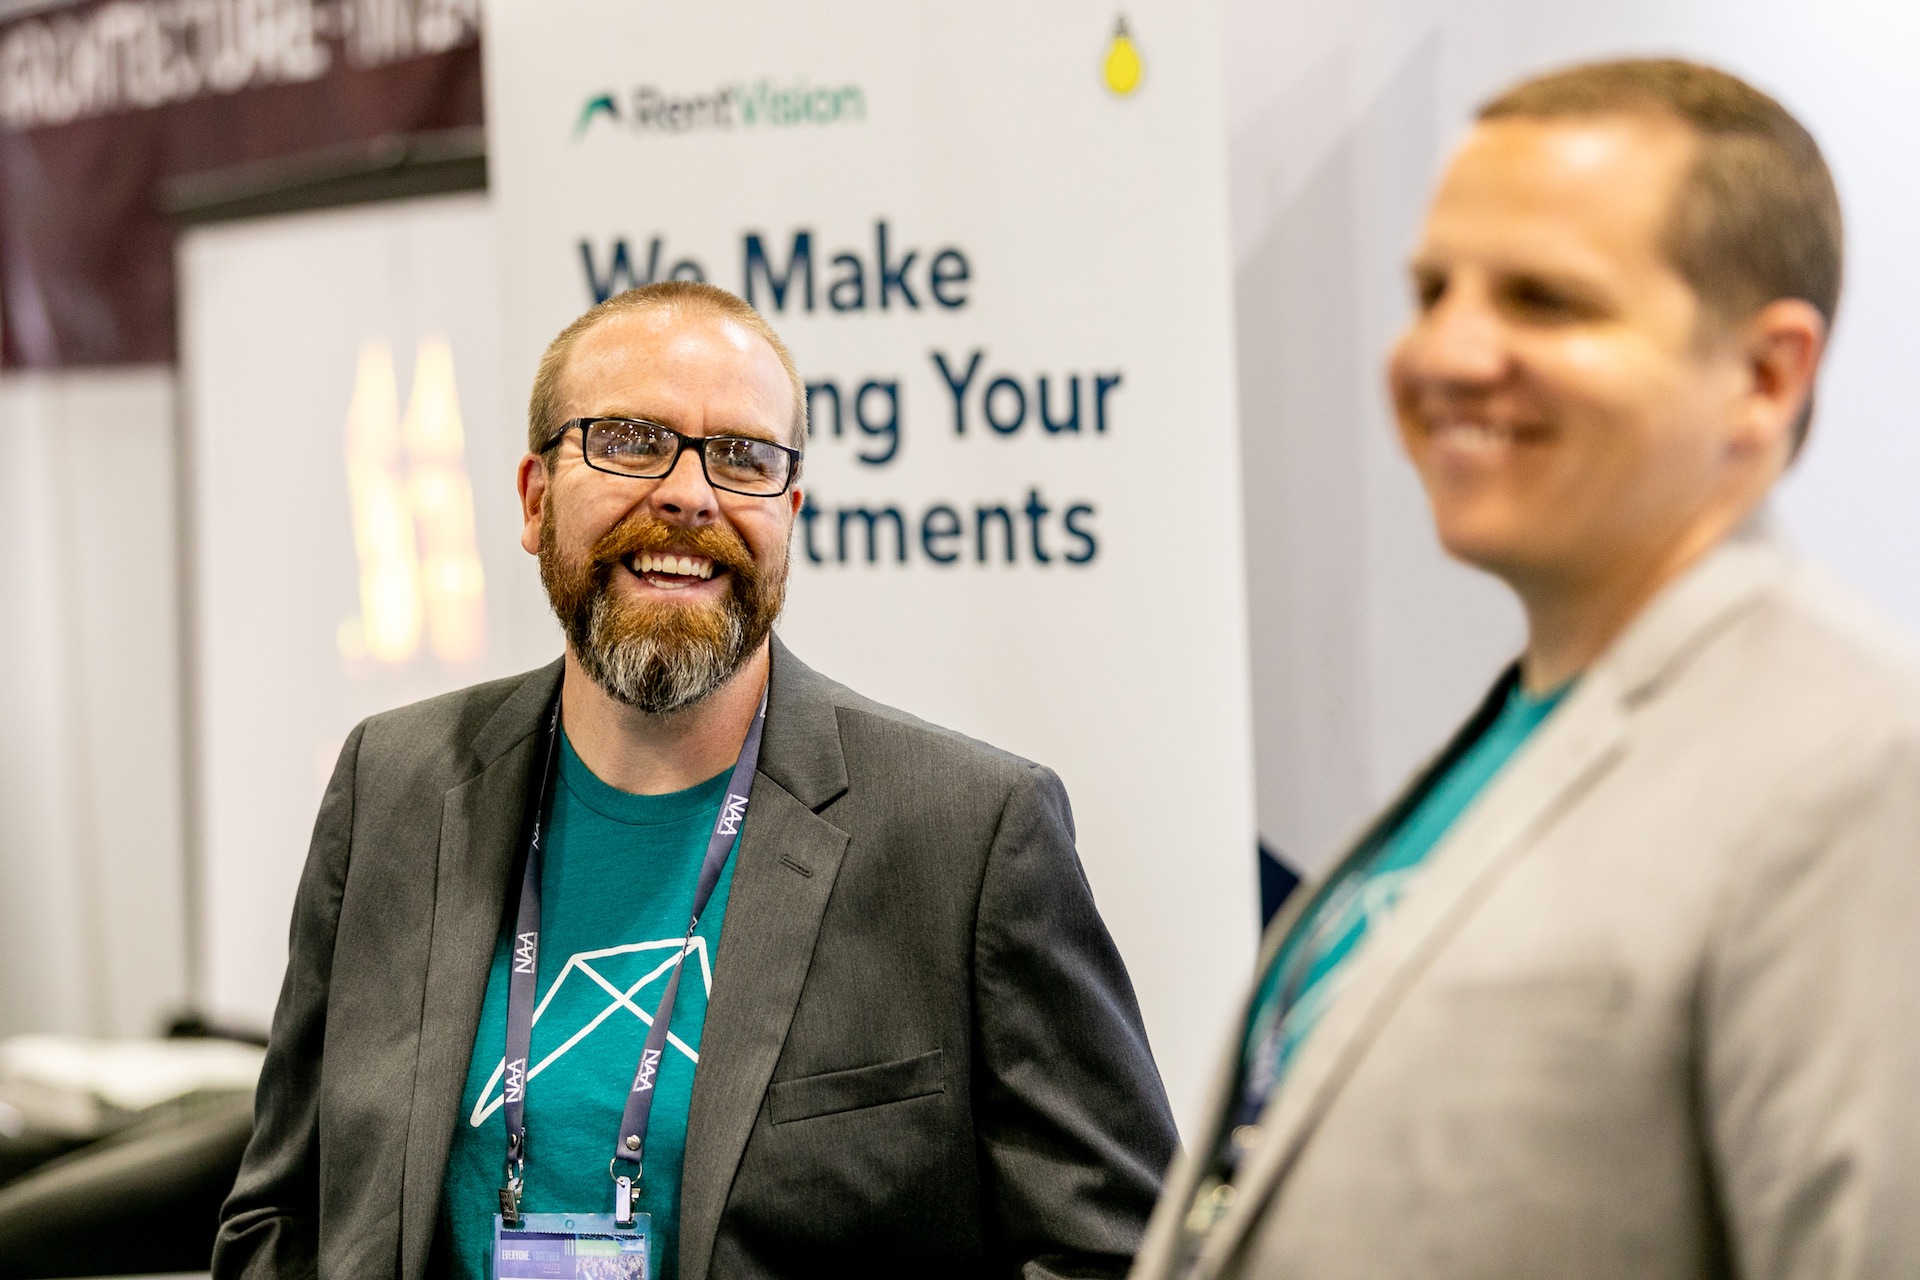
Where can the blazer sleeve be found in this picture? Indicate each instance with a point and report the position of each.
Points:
(1811, 1062)
(1070, 1111)
(269, 1226)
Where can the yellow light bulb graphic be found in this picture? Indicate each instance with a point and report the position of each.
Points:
(1123, 61)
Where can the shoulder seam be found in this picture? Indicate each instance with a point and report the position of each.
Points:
(905, 720)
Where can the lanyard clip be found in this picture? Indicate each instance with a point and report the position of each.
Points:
(513, 1181)
(623, 1197)
(626, 1193)
(510, 1203)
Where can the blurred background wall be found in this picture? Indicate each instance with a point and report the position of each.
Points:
(1367, 645)
(92, 840)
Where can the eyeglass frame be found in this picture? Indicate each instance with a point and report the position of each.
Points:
(698, 444)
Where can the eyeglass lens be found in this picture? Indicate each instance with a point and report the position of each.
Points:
(645, 450)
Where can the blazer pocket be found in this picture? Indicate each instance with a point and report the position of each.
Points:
(1540, 1025)
(1584, 995)
(836, 1091)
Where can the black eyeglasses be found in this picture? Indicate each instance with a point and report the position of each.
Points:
(646, 450)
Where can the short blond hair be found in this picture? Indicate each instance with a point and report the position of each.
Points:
(543, 405)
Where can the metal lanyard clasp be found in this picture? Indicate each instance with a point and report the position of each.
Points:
(513, 1183)
(626, 1194)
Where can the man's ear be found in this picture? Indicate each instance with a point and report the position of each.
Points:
(1781, 349)
(532, 482)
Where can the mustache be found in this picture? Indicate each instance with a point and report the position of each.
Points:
(645, 533)
(656, 655)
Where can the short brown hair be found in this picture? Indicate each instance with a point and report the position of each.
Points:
(543, 405)
(1756, 219)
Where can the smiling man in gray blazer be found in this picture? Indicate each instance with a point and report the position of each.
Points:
(902, 1042)
(1627, 982)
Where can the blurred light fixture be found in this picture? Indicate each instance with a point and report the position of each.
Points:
(414, 535)
(389, 621)
(452, 586)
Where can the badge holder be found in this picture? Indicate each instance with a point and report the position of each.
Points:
(573, 1246)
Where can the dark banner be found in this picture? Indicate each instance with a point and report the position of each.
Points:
(109, 110)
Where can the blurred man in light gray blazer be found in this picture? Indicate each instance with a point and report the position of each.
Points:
(1627, 982)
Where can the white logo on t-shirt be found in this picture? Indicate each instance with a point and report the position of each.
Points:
(581, 962)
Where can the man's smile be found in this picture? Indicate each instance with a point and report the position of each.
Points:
(1465, 439)
(673, 571)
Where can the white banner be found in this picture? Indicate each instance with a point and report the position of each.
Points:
(995, 237)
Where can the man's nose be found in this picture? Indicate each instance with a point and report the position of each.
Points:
(1460, 341)
(683, 494)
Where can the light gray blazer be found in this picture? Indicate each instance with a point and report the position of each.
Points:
(1653, 1008)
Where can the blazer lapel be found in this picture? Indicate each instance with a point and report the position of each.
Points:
(787, 861)
(482, 824)
(1573, 750)
(1569, 755)
(1164, 1231)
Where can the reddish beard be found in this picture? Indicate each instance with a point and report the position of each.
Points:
(659, 656)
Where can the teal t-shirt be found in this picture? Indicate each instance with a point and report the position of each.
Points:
(616, 888)
(1304, 978)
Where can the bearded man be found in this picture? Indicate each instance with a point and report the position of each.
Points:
(676, 940)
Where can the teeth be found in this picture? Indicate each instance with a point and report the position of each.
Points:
(1472, 435)
(679, 566)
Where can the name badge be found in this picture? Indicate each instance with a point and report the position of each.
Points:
(572, 1246)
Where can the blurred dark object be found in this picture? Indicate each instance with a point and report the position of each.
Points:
(1277, 883)
(391, 167)
(142, 1202)
(23, 1152)
(117, 115)
(194, 1026)
(115, 1153)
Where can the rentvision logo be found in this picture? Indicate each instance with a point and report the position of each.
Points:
(761, 104)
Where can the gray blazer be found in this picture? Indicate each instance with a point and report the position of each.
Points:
(1653, 1008)
(922, 1055)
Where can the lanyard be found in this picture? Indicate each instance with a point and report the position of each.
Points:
(521, 982)
(1259, 1078)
